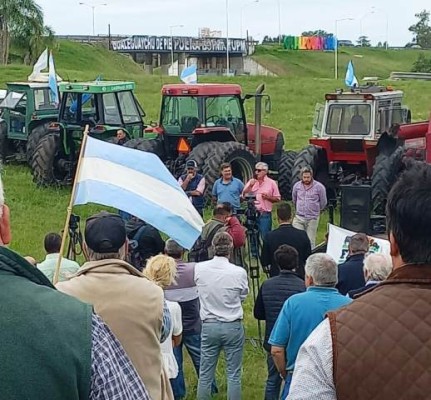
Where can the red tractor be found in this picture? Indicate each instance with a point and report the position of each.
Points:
(354, 137)
(207, 123)
(415, 144)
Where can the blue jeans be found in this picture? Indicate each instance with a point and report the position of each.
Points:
(264, 224)
(193, 345)
(286, 387)
(216, 336)
(273, 382)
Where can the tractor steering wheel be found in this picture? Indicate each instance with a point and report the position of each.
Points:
(213, 118)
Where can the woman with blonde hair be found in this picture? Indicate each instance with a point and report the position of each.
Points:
(162, 270)
(5, 234)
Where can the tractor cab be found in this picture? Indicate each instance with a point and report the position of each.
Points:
(25, 110)
(192, 114)
(103, 105)
(352, 127)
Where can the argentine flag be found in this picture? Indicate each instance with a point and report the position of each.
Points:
(190, 74)
(139, 183)
(350, 79)
(52, 81)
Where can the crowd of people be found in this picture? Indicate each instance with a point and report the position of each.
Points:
(118, 325)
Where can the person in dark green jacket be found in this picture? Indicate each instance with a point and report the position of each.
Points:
(53, 346)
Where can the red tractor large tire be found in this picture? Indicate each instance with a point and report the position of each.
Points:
(35, 135)
(237, 154)
(308, 156)
(285, 168)
(201, 152)
(43, 164)
(149, 145)
(386, 171)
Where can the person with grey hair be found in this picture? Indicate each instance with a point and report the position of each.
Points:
(302, 312)
(309, 197)
(185, 293)
(222, 287)
(350, 273)
(132, 306)
(266, 191)
(377, 267)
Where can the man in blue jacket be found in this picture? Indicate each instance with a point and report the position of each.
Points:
(194, 185)
(351, 272)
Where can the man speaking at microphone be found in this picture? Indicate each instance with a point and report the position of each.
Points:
(266, 191)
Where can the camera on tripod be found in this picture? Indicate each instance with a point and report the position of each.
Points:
(250, 212)
(74, 222)
(75, 237)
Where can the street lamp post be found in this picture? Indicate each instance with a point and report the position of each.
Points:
(172, 44)
(361, 19)
(387, 32)
(279, 21)
(336, 43)
(93, 7)
(227, 38)
(242, 12)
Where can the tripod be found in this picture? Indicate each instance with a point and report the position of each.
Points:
(252, 261)
(74, 248)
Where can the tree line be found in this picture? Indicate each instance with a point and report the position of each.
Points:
(22, 28)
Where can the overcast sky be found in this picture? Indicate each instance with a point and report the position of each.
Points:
(154, 17)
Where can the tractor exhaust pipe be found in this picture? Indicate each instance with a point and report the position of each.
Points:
(258, 119)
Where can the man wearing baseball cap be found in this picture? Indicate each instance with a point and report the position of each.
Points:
(130, 304)
(194, 185)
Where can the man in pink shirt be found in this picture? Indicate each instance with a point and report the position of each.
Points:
(266, 191)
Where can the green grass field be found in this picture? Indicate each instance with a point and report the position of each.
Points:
(36, 211)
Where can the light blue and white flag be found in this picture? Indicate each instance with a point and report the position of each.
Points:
(52, 81)
(140, 184)
(350, 79)
(85, 97)
(190, 74)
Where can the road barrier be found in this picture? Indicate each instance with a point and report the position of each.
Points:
(410, 75)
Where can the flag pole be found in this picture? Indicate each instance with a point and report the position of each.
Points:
(70, 206)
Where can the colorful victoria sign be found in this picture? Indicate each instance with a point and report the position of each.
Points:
(309, 43)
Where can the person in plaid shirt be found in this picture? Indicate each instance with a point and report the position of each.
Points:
(112, 374)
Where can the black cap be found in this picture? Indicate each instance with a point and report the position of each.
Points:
(191, 164)
(105, 232)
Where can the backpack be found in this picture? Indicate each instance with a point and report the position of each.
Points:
(199, 251)
(135, 257)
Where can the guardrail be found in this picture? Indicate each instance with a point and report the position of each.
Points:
(90, 38)
(410, 75)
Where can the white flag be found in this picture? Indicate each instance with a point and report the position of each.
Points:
(41, 64)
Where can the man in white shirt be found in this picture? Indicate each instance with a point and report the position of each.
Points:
(52, 244)
(222, 288)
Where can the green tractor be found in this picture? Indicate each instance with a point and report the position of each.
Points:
(103, 105)
(26, 112)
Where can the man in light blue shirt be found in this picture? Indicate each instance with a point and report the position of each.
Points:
(227, 189)
(302, 312)
(52, 244)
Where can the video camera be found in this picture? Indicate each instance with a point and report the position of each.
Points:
(75, 237)
(74, 222)
(250, 212)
